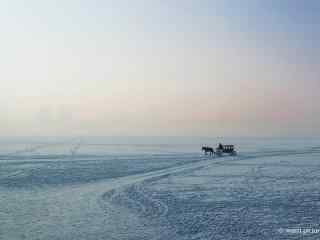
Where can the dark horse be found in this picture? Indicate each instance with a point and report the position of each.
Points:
(208, 150)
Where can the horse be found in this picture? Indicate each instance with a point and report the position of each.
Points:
(208, 150)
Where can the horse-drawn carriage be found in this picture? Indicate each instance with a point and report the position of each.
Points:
(229, 149)
(220, 150)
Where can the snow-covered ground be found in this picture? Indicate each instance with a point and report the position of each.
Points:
(93, 189)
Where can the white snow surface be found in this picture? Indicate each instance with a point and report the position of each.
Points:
(89, 190)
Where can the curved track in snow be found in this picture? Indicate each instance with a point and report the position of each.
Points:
(130, 189)
(125, 208)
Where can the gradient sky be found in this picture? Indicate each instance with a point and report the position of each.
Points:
(160, 67)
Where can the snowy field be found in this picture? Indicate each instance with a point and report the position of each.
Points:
(159, 189)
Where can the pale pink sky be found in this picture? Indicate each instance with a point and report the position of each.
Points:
(154, 69)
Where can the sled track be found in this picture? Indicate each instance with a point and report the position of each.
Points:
(136, 198)
(133, 195)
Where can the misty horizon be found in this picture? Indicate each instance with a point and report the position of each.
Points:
(159, 68)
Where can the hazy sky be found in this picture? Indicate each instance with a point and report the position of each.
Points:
(160, 67)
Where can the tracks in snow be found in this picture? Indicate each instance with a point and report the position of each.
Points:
(130, 192)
